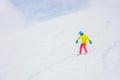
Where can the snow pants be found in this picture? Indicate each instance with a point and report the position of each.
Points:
(83, 46)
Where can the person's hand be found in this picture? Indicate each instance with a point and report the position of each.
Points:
(76, 41)
(90, 41)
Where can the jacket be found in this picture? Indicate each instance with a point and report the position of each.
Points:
(84, 38)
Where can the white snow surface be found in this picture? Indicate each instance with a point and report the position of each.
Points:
(47, 50)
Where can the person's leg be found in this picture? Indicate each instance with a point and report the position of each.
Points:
(84, 46)
(81, 45)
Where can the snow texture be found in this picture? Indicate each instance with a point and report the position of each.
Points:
(47, 50)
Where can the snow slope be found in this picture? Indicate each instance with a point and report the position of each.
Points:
(47, 51)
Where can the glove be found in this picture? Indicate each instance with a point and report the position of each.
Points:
(76, 41)
(90, 41)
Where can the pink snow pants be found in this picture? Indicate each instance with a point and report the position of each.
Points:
(83, 46)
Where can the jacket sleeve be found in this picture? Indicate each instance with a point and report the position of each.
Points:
(78, 37)
(87, 37)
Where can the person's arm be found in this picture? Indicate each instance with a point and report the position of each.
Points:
(78, 39)
(89, 40)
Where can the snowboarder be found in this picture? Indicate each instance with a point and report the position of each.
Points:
(84, 39)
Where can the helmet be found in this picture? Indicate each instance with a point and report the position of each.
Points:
(80, 32)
